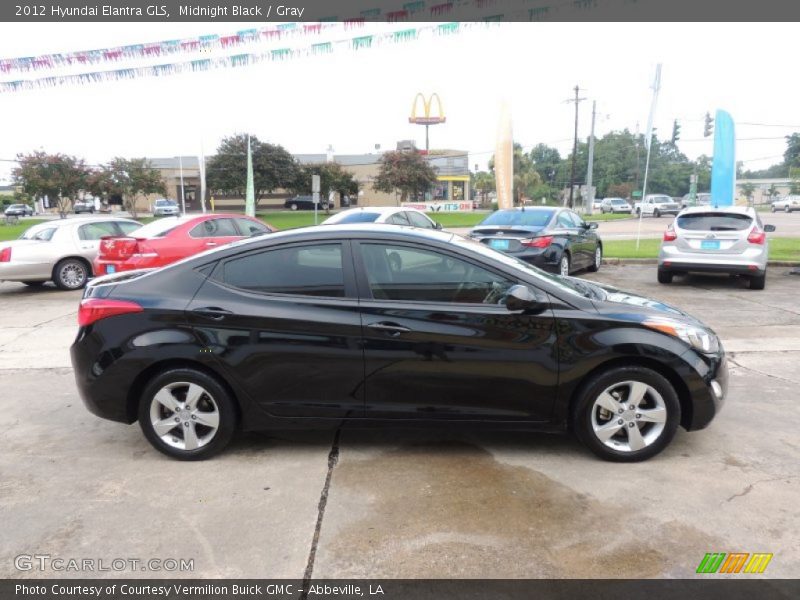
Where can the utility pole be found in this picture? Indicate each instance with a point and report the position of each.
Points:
(636, 188)
(589, 190)
(574, 146)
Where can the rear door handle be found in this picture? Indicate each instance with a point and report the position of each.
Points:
(212, 312)
(392, 329)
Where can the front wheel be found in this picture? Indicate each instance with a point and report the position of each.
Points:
(293, 206)
(598, 259)
(774, 209)
(626, 414)
(787, 209)
(71, 274)
(656, 214)
(564, 265)
(187, 414)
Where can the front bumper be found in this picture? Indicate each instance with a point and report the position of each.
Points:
(707, 393)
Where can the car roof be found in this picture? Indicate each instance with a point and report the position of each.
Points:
(79, 221)
(742, 210)
(381, 210)
(533, 208)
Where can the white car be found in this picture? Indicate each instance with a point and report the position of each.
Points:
(616, 205)
(60, 251)
(387, 215)
(164, 207)
(787, 204)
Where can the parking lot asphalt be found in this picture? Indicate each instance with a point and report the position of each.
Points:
(395, 503)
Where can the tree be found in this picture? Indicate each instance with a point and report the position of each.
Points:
(794, 184)
(791, 157)
(273, 167)
(620, 190)
(772, 192)
(408, 172)
(747, 191)
(129, 178)
(484, 184)
(58, 176)
(332, 178)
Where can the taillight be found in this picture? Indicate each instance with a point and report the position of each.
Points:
(670, 235)
(539, 242)
(757, 237)
(5, 254)
(94, 309)
(118, 248)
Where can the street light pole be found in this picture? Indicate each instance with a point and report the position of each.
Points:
(589, 189)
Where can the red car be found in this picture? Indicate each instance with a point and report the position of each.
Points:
(172, 238)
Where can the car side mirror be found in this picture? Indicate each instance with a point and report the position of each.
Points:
(592, 225)
(437, 226)
(769, 228)
(521, 298)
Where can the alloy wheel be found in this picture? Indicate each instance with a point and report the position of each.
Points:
(628, 416)
(598, 257)
(184, 415)
(72, 275)
(563, 267)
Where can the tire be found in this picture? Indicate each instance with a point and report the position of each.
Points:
(664, 276)
(638, 211)
(213, 405)
(34, 283)
(71, 274)
(598, 259)
(649, 406)
(774, 209)
(564, 264)
(656, 214)
(758, 282)
(293, 206)
(787, 209)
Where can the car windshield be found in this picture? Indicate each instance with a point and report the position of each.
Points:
(165, 203)
(714, 221)
(662, 199)
(357, 217)
(617, 201)
(158, 228)
(569, 285)
(521, 218)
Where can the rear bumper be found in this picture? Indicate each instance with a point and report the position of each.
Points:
(684, 266)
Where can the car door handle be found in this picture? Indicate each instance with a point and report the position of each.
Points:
(212, 312)
(211, 243)
(392, 329)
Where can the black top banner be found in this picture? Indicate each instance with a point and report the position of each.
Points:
(398, 11)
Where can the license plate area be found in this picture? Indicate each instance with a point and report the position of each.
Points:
(709, 245)
(498, 244)
(111, 269)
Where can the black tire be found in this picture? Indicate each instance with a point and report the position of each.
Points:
(660, 396)
(664, 276)
(562, 268)
(787, 209)
(62, 271)
(656, 214)
(214, 394)
(758, 282)
(598, 260)
(34, 283)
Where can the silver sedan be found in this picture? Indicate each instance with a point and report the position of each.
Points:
(60, 251)
(729, 239)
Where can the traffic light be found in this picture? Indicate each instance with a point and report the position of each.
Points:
(676, 132)
(709, 128)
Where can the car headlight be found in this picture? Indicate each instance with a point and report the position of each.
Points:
(698, 337)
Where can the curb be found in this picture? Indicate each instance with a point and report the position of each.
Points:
(654, 261)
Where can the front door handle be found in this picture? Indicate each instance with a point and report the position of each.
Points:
(392, 329)
(214, 313)
(211, 243)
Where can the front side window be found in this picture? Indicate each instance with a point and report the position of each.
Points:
(564, 220)
(398, 219)
(214, 228)
(314, 270)
(418, 220)
(419, 275)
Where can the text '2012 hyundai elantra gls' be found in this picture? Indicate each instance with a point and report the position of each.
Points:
(342, 325)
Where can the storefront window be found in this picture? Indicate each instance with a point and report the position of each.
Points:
(440, 191)
(458, 190)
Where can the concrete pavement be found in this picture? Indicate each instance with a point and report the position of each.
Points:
(408, 503)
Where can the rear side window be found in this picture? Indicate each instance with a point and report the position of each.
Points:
(248, 227)
(298, 270)
(43, 235)
(214, 228)
(359, 217)
(127, 228)
(714, 222)
(94, 231)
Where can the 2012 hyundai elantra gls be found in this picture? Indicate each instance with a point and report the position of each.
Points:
(346, 325)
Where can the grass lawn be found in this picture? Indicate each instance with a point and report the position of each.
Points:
(779, 248)
(284, 219)
(12, 232)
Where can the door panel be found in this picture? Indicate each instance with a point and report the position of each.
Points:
(447, 355)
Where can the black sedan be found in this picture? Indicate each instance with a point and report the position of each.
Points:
(304, 203)
(555, 239)
(347, 325)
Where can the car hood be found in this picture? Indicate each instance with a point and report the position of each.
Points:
(621, 302)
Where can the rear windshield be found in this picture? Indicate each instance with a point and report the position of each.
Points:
(714, 222)
(522, 218)
(358, 217)
(165, 203)
(158, 228)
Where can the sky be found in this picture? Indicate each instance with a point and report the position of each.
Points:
(354, 100)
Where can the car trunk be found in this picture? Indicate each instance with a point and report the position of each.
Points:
(710, 233)
(506, 239)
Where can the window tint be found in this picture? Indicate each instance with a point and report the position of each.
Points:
(405, 273)
(714, 222)
(43, 235)
(398, 219)
(301, 270)
(248, 227)
(418, 220)
(526, 218)
(576, 219)
(94, 231)
(127, 228)
(358, 217)
(564, 220)
(214, 228)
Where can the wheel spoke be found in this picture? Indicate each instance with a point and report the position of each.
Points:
(635, 439)
(164, 426)
(209, 419)
(165, 397)
(190, 437)
(653, 415)
(637, 392)
(193, 396)
(607, 401)
(604, 432)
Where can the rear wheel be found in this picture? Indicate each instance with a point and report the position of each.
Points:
(774, 209)
(293, 206)
(626, 414)
(186, 414)
(656, 214)
(564, 264)
(787, 209)
(664, 276)
(598, 259)
(71, 274)
(758, 282)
